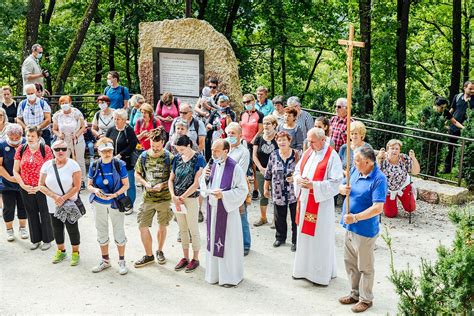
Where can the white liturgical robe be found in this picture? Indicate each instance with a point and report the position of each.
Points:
(315, 257)
(230, 268)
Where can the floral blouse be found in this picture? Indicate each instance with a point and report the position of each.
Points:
(278, 170)
(397, 174)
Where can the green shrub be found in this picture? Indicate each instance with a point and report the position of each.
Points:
(447, 286)
(468, 159)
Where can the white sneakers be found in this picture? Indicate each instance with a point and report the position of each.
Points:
(103, 264)
(24, 233)
(45, 246)
(10, 235)
(35, 245)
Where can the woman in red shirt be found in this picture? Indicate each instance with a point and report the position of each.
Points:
(29, 158)
(145, 124)
(167, 110)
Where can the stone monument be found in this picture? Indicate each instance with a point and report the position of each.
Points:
(187, 36)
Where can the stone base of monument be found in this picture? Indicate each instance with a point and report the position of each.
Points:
(440, 193)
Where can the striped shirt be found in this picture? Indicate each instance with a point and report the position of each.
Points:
(305, 122)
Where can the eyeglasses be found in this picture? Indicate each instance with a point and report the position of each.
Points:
(63, 149)
(212, 87)
(247, 102)
(183, 112)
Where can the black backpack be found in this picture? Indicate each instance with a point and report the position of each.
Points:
(95, 166)
(24, 146)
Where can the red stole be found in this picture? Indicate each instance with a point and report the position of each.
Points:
(312, 207)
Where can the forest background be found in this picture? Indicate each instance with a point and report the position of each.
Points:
(415, 49)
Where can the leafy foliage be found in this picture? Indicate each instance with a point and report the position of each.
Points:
(468, 159)
(445, 286)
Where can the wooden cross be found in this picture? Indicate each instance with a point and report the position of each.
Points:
(350, 45)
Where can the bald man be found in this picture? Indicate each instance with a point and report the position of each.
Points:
(225, 187)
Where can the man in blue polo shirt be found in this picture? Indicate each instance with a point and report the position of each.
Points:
(367, 191)
(263, 104)
(117, 94)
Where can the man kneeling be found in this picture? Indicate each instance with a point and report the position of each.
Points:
(153, 170)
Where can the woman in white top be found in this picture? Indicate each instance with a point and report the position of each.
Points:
(69, 125)
(50, 186)
(103, 119)
(3, 123)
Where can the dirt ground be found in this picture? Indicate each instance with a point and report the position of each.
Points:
(30, 283)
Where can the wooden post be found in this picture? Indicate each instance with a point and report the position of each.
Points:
(189, 4)
(350, 45)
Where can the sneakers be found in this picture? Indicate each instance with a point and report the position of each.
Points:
(35, 245)
(181, 264)
(160, 257)
(45, 246)
(145, 260)
(103, 264)
(122, 267)
(255, 195)
(74, 259)
(293, 247)
(59, 256)
(192, 265)
(260, 222)
(200, 217)
(10, 235)
(24, 233)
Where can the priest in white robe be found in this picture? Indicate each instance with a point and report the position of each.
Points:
(317, 178)
(225, 187)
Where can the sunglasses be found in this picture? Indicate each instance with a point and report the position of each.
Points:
(340, 107)
(212, 87)
(247, 102)
(184, 113)
(63, 149)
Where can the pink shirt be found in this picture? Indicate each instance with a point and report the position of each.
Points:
(165, 111)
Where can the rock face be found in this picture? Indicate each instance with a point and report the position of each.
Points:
(219, 58)
(438, 193)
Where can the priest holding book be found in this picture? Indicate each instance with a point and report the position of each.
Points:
(317, 179)
(225, 188)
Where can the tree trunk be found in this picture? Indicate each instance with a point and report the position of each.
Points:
(365, 84)
(31, 34)
(127, 63)
(283, 65)
(467, 39)
(98, 61)
(310, 78)
(49, 13)
(272, 71)
(202, 8)
(456, 56)
(403, 10)
(112, 41)
(189, 8)
(75, 46)
(229, 26)
(135, 59)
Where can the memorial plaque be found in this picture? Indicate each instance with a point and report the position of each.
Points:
(179, 71)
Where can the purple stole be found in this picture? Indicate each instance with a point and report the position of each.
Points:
(221, 217)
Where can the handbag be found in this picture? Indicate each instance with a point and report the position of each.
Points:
(78, 202)
(124, 203)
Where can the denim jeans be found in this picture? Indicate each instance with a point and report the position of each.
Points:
(132, 191)
(245, 228)
(90, 146)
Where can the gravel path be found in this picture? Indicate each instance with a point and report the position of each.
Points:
(29, 283)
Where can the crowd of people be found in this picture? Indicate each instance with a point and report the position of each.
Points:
(196, 163)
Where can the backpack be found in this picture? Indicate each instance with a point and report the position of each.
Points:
(23, 104)
(95, 166)
(144, 155)
(160, 103)
(196, 129)
(122, 91)
(24, 146)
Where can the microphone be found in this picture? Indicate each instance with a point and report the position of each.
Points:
(209, 165)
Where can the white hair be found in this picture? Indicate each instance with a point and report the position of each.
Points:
(341, 102)
(293, 101)
(234, 125)
(35, 47)
(30, 86)
(317, 132)
(4, 113)
(14, 129)
(120, 113)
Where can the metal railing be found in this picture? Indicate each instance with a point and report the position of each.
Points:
(430, 147)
